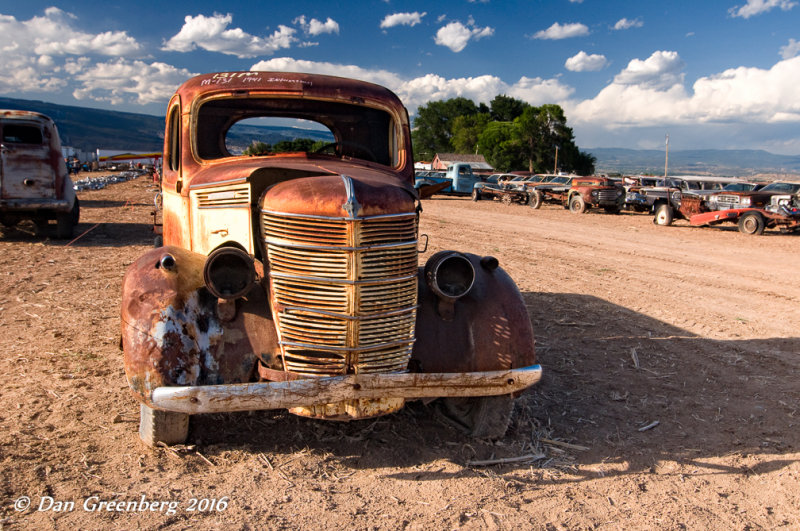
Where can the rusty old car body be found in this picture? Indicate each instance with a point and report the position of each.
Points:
(601, 192)
(290, 279)
(34, 183)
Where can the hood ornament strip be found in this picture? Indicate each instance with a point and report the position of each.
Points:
(352, 207)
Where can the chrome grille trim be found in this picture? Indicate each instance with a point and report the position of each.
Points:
(344, 291)
(607, 195)
(229, 198)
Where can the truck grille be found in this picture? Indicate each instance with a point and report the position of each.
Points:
(344, 291)
(726, 202)
(607, 196)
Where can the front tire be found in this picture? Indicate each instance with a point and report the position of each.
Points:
(482, 417)
(577, 205)
(476, 195)
(663, 215)
(168, 427)
(752, 223)
(535, 199)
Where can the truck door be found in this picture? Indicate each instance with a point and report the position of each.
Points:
(25, 169)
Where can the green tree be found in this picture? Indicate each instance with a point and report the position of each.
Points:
(576, 161)
(507, 109)
(499, 144)
(256, 148)
(294, 146)
(466, 130)
(433, 125)
(541, 130)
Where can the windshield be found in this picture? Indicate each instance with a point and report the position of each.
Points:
(253, 126)
(787, 188)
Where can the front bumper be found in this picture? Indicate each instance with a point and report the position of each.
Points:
(31, 205)
(316, 391)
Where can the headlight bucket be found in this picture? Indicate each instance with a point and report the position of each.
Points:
(229, 273)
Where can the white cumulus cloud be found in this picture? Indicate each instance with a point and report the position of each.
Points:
(316, 27)
(624, 23)
(792, 49)
(212, 34)
(650, 93)
(456, 35)
(661, 70)
(431, 87)
(34, 53)
(402, 19)
(583, 62)
(123, 81)
(562, 31)
(756, 7)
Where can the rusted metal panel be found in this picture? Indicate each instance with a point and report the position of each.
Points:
(365, 387)
(490, 329)
(172, 333)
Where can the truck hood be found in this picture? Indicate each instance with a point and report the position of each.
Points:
(340, 196)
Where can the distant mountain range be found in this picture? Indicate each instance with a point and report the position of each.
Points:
(90, 129)
(733, 162)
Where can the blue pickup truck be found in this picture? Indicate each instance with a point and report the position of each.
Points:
(459, 179)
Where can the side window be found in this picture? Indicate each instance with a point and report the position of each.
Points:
(174, 132)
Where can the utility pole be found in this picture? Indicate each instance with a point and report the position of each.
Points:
(555, 166)
(666, 158)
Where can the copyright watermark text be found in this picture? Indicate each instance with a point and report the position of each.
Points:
(95, 504)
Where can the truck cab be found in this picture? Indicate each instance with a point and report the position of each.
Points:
(34, 183)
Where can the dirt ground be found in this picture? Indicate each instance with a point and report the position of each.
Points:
(670, 397)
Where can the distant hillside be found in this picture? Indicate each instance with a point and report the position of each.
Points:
(90, 129)
(702, 161)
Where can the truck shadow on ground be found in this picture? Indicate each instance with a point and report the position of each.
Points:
(622, 393)
(85, 234)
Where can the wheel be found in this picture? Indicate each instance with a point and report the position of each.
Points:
(751, 223)
(663, 215)
(157, 426)
(476, 195)
(577, 205)
(506, 199)
(158, 241)
(484, 417)
(65, 222)
(535, 199)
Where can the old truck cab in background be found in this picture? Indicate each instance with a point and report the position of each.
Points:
(34, 183)
(289, 275)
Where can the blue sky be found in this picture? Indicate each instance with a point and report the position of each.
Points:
(713, 74)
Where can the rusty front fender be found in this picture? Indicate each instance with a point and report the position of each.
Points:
(172, 332)
(490, 328)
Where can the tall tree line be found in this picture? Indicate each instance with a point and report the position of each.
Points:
(510, 133)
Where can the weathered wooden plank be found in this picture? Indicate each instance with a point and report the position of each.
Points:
(308, 392)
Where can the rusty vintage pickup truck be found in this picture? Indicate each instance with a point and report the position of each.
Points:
(289, 278)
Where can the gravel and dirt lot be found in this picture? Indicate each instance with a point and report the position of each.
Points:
(670, 397)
